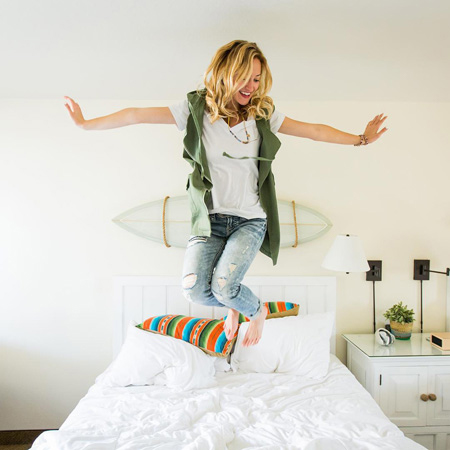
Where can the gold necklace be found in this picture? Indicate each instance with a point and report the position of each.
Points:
(246, 132)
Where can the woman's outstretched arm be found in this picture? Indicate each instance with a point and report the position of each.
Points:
(325, 133)
(122, 118)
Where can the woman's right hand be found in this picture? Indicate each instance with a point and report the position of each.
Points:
(74, 111)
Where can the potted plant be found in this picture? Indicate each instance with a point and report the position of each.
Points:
(401, 320)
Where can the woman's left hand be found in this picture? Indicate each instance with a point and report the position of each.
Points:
(371, 132)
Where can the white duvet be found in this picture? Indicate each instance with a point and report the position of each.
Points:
(251, 411)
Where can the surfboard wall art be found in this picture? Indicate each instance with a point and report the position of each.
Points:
(168, 221)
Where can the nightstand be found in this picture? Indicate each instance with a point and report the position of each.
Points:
(410, 380)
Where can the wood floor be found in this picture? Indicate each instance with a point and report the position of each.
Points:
(15, 447)
(18, 439)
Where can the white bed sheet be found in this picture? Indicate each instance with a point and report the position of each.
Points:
(264, 411)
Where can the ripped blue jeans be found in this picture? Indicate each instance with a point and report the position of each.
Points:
(214, 266)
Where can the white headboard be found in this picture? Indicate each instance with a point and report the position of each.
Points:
(137, 298)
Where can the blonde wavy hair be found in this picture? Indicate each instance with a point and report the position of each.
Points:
(234, 61)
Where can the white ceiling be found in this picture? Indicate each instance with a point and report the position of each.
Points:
(318, 50)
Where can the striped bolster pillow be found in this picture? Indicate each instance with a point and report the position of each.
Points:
(206, 334)
(276, 309)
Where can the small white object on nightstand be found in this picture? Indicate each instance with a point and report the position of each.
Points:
(384, 337)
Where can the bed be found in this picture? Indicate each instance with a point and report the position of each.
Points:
(238, 402)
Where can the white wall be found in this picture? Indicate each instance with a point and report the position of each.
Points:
(61, 186)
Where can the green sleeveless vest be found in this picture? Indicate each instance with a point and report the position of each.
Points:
(199, 183)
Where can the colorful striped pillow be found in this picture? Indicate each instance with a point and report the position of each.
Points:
(276, 309)
(206, 334)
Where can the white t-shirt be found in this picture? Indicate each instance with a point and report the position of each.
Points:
(235, 182)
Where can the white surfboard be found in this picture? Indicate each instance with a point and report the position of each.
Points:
(147, 221)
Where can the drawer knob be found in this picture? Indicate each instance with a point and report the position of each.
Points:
(432, 397)
(424, 397)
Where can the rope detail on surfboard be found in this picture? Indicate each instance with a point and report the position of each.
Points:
(295, 225)
(164, 221)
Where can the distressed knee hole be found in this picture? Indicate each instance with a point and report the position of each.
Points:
(221, 282)
(232, 267)
(196, 240)
(189, 281)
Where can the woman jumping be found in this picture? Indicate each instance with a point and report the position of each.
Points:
(230, 141)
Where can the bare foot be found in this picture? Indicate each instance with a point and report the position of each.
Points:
(231, 323)
(254, 331)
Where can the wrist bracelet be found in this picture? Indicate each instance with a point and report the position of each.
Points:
(362, 140)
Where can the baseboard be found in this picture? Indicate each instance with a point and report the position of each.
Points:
(19, 436)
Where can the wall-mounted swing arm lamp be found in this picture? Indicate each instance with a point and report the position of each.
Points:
(374, 274)
(422, 272)
(347, 255)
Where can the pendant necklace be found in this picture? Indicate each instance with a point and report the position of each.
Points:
(246, 132)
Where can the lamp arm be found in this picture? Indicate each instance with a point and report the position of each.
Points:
(447, 272)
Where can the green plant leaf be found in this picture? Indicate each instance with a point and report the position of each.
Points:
(400, 313)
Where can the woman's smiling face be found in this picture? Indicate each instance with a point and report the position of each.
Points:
(246, 90)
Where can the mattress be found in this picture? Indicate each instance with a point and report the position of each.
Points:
(244, 411)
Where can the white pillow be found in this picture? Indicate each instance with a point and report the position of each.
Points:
(147, 358)
(295, 344)
(221, 364)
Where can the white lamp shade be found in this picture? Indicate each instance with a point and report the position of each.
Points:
(346, 255)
